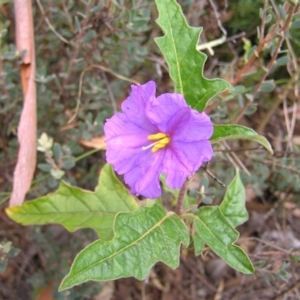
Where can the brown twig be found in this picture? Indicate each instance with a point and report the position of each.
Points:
(291, 287)
(27, 128)
(210, 174)
(271, 35)
(102, 68)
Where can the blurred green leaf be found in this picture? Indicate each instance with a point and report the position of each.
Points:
(238, 89)
(282, 11)
(57, 173)
(282, 61)
(44, 167)
(268, 18)
(233, 132)
(141, 239)
(251, 109)
(185, 62)
(295, 24)
(6, 251)
(75, 208)
(267, 86)
(68, 162)
(57, 151)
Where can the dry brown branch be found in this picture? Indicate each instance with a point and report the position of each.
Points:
(282, 29)
(25, 167)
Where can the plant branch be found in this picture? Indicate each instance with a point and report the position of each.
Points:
(210, 174)
(290, 12)
(180, 198)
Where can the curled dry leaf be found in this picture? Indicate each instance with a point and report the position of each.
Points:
(96, 142)
(26, 163)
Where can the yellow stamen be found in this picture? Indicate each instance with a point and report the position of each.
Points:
(161, 141)
(161, 144)
(157, 147)
(164, 141)
(157, 136)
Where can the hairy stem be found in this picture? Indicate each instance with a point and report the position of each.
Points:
(180, 198)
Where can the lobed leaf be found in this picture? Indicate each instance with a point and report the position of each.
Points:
(141, 239)
(75, 208)
(217, 233)
(233, 132)
(185, 62)
(214, 226)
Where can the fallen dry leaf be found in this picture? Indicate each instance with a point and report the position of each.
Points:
(46, 293)
(96, 142)
(27, 131)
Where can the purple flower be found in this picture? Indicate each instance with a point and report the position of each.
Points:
(154, 136)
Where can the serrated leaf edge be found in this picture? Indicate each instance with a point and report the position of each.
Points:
(198, 219)
(168, 215)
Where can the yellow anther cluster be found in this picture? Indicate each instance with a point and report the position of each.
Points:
(157, 136)
(162, 141)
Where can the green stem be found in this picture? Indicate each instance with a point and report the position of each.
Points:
(84, 155)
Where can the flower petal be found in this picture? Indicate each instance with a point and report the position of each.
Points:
(120, 131)
(135, 105)
(143, 178)
(123, 160)
(124, 141)
(183, 159)
(197, 127)
(143, 115)
(159, 110)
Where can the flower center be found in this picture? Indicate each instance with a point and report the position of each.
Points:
(161, 141)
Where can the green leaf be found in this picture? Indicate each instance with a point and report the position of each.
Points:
(75, 208)
(238, 89)
(267, 86)
(214, 229)
(295, 24)
(198, 243)
(282, 61)
(233, 132)
(44, 167)
(233, 204)
(141, 239)
(185, 62)
(214, 226)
